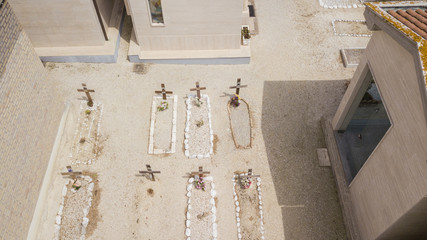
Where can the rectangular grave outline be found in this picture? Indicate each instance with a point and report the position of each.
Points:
(187, 127)
(348, 34)
(84, 107)
(190, 188)
(236, 202)
(85, 220)
(151, 149)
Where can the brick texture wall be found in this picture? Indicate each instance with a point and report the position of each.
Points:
(30, 111)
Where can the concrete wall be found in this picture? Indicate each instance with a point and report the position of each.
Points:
(30, 110)
(189, 25)
(59, 23)
(392, 181)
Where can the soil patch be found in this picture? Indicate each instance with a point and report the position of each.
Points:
(240, 124)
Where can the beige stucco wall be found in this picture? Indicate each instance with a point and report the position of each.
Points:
(189, 25)
(53, 23)
(30, 110)
(393, 179)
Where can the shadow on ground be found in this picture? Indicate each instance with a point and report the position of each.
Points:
(291, 112)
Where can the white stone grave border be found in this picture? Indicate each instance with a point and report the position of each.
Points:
(151, 149)
(85, 220)
(94, 108)
(348, 34)
(187, 128)
(236, 202)
(335, 6)
(190, 187)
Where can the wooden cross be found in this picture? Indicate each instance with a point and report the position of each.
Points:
(149, 171)
(238, 86)
(87, 91)
(201, 173)
(71, 173)
(164, 92)
(198, 88)
(249, 174)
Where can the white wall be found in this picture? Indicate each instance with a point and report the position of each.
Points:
(189, 25)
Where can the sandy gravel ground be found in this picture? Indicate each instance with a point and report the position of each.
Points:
(292, 57)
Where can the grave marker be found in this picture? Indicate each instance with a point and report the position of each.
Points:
(250, 175)
(149, 171)
(198, 88)
(163, 91)
(87, 92)
(238, 86)
(201, 173)
(71, 173)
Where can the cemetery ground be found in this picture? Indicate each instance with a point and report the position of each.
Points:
(295, 77)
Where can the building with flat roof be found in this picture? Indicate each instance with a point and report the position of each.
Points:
(182, 31)
(72, 31)
(378, 144)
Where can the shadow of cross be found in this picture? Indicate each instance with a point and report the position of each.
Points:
(163, 91)
(71, 173)
(87, 92)
(238, 86)
(149, 171)
(198, 88)
(201, 173)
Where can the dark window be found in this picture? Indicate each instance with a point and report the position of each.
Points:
(367, 122)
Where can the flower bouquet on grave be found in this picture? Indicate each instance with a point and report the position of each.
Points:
(163, 106)
(197, 102)
(246, 182)
(235, 100)
(199, 183)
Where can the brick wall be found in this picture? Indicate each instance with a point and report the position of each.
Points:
(30, 111)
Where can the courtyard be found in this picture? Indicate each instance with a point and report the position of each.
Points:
(295, 78)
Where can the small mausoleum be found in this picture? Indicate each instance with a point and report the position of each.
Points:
(182, 31)
(380, 128)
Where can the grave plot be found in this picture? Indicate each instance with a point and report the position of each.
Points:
(240, 119)
(248, 203)
(87, 144)
(198, 128)
(201, 209)
(77, 212)
(163, 125)
(351, 28)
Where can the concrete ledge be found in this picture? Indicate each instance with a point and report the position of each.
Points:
(106, 53)
(221, 56)
(341, 182)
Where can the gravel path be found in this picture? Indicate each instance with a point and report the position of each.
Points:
(241, 125)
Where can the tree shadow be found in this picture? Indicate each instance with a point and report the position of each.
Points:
(290, 124)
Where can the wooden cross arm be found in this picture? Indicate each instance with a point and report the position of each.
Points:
(142, 172)
(240, 86)
(196, 173)
(85, 90)
(71, 173)
(249, 176)
(168, 92)
(200, 88)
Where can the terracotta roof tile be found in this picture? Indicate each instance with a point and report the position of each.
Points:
(415, 20)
